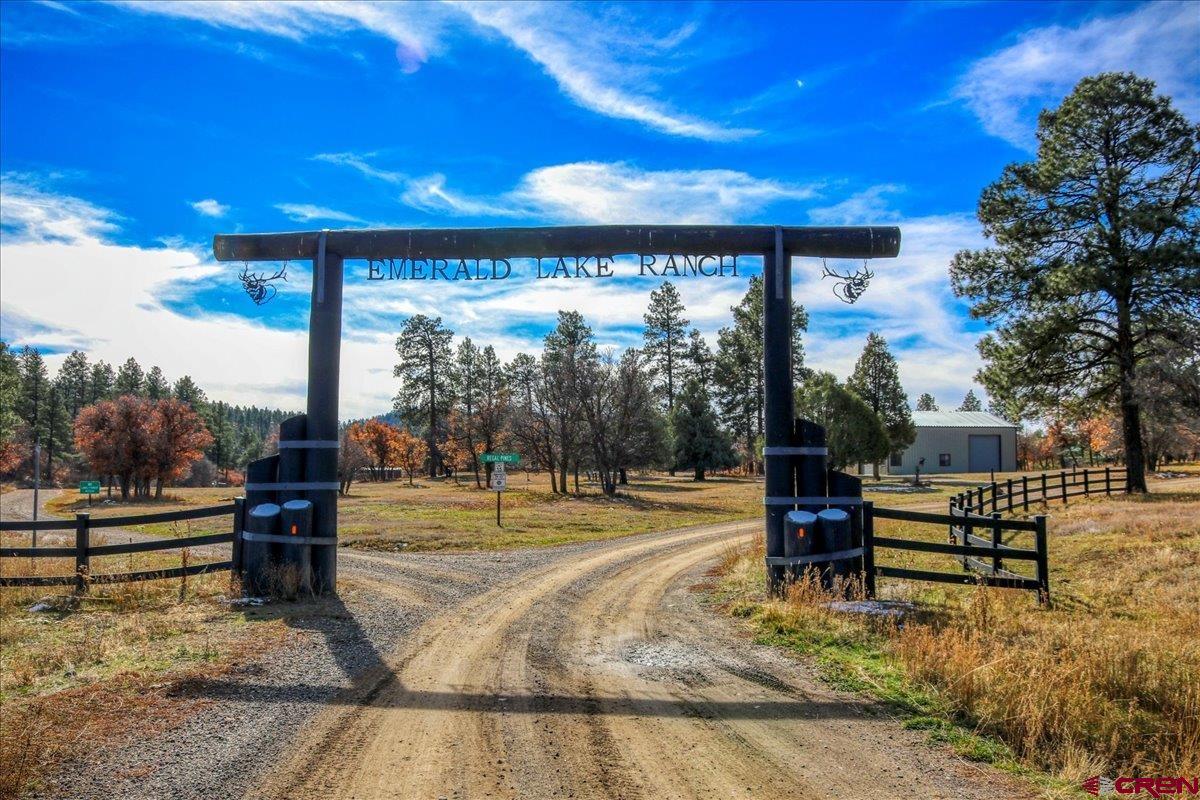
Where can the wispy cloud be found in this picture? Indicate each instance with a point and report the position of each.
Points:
(599, 64)
(600, 192)
(306, 212)
(210, 208)
(360, 163)
(1157, 40)
(603, 62)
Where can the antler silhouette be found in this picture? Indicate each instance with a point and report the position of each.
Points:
(849, 287)
(259, 286)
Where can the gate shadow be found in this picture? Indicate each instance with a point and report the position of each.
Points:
(374, 684)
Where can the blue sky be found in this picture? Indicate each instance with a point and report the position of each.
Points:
(131, 132)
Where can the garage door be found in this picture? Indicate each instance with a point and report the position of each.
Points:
(983, 453)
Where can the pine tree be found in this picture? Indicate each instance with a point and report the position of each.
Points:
(185, 389)
(1095, 269)
(664, 338)
(853, 432)
(156, 384)
(74, 380)
(102, 383)
(699, 442)
(424, 372)
(34, 396)
(568, 351)
(130, 379)
(738, 367)
(10, 392)
(876, 380)
(698, 362)
(223, 450)
(464, 384)
(491, 418)
(971, 402)
(926, 402)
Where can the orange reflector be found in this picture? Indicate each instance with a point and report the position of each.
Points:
(293, 530)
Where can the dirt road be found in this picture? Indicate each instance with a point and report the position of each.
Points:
(600, 674)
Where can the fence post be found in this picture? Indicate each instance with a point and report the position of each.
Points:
(82, 561)
(1010, 503)
(1064, 486)
(1045, 498)
(868, 543)
(1025, 491)
(1108, 481)
(966, 531)
(1087, 489)
(239, 521)
(997, 540)
(1041, 544)
(995, 498)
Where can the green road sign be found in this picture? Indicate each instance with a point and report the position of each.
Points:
(500, 458)
(89, 487)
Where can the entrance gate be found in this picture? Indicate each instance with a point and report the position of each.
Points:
(306, 469)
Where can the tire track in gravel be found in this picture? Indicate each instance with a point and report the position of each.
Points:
(599, 674)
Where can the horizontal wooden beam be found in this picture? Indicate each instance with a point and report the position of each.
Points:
(581, 240)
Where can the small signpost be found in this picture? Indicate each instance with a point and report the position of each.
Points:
(89, 488)
(499, 482)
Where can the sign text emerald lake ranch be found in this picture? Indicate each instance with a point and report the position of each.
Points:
(497, 269)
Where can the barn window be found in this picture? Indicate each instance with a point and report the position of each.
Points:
(943, 459)
(897, 459)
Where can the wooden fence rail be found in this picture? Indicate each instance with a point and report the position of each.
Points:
(84, 551)
(1016, 494)
(984, 556)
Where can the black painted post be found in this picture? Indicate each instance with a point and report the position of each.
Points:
(1045, 499)
(239, 523)
(83, 567)
(997, 540)
(1025, 491)
(295, 519)
(1008, 492)
(1041, 545)
(1064, 486)
(868, 539)
(256, 556)
(291, 470)
(324, 359)
(995, 497)
(1108, 481)
(1087, 490)
(833, 535)
(257, 579)
(779, 410)
(842, 484)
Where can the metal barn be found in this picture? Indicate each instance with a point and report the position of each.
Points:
(958, 441)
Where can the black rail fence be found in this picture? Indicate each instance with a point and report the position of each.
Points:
(1017, 494)
(84, 551)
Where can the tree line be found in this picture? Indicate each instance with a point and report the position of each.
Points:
(39, 409)
(673, 403)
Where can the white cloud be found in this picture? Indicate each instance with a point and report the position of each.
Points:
(210, 208)
(430, 194)
(64, 279)
(600, 192)
(1157, 40)
(307, 212)
(360, 163)
(909, 301)
(597, 64)
(602, 61)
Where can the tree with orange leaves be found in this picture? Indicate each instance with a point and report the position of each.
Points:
(176, 437)
(410, 452)
(379, 440)
(455, 455)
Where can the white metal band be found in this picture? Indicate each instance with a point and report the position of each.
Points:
(816, 558)
(278, 539)
(812, 501)
(795, 451)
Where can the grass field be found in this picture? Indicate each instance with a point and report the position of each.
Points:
(1105, 681)
(443, 515)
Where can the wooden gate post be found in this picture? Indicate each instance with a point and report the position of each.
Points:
(1108, 481)
(778, 397)
(1025, 491)
(83, 567)
(868, 544)
(1041, 544)
(1064, 486)
(997, 540)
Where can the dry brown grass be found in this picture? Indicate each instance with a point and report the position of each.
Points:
(1106, 681)
(96, 670)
